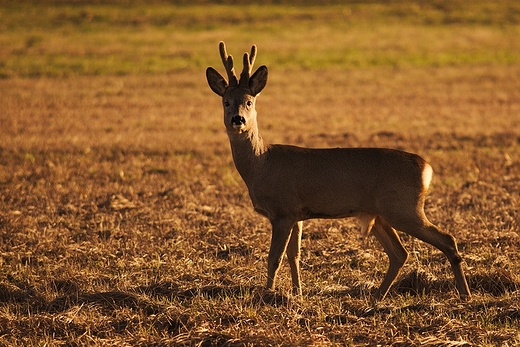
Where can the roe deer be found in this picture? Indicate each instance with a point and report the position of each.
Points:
(384, 188)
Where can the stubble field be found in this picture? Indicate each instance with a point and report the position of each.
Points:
(124, 222)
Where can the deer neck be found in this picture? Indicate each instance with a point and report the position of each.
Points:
(248, 149)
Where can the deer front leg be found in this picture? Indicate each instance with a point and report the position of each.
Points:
(279, 240)
(293, 255)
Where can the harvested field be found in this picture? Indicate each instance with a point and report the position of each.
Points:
(124, 222)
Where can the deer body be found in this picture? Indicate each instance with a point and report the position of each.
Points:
(384, 188)
(330, 183)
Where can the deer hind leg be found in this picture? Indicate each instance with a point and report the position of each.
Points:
(447, 244)
(420, 227)
(279, 240)
(397, 254)
(367, 221)
(293, 255)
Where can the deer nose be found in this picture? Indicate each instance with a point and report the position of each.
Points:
(238, 120)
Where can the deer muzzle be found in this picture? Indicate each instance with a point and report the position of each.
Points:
(238, 121)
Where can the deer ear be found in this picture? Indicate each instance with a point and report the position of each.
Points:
(258, 80)
(216, 82)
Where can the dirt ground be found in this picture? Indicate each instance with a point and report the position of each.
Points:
(124, 222)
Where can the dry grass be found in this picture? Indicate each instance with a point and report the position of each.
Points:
(124, 222)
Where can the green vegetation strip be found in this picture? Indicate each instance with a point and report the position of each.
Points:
(66, 39)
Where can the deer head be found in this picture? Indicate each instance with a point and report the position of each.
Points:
(238, 96)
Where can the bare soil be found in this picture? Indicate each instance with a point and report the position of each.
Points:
(124, 222)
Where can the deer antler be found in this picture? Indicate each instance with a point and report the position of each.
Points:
(227, 60)
(249, 60)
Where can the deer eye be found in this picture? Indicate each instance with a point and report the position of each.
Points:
(226, 104)
(249, 103)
